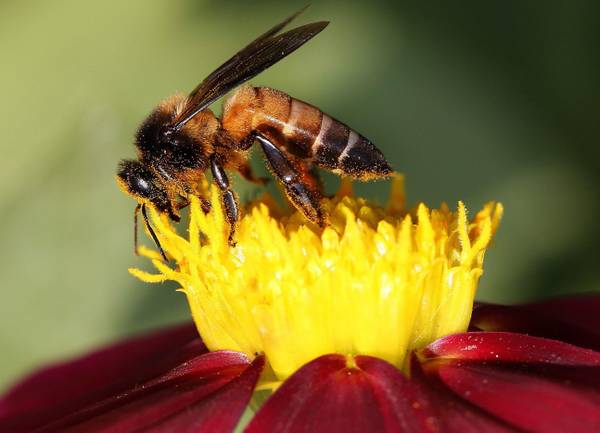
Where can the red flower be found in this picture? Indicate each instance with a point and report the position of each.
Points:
(533, 368)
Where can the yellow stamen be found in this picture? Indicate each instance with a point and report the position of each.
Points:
(378, 281)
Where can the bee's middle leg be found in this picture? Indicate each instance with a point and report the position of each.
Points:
(228, 198)
(247, 173)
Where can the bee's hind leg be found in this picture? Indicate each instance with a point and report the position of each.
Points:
(300, 186)
(228, 198)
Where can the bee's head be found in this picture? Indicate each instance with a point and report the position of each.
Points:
(137, 180)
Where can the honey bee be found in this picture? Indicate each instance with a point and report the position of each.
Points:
(182, 139)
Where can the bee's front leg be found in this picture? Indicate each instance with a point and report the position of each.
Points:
(183, 201)
(228, 198)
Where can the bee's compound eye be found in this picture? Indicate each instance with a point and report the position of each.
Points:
(141, 184)
(136, 178)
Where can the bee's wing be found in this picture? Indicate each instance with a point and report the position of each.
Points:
(266, 35)
(264, 51)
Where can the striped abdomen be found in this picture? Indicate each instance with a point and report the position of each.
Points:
(305, 131)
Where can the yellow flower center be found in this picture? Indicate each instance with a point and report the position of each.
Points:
(379, 281)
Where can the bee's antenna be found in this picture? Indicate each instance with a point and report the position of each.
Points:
(149, 227)
(135, 229)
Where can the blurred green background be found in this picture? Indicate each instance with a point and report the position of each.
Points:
(471, 100)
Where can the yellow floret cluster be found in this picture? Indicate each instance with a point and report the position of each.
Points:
(380, 280)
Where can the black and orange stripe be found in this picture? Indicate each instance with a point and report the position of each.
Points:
(305, 132)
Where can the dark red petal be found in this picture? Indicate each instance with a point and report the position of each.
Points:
(63, 388)
(206, 394)
(148, 381)
(328, 396)
(219, 413)
(531, 383)
(525, 400)
(574, 320)
(509, 347)
(443, 411)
